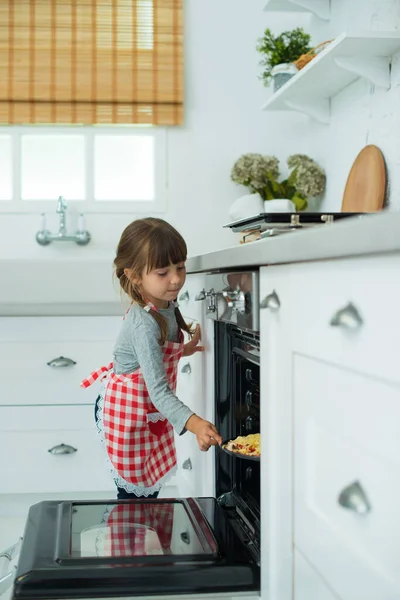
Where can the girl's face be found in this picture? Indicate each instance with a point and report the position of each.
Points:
(161, 286)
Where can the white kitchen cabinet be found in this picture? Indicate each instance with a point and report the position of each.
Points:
(51, 449)
(28, 344)
(193, 465)
(331, 397)
(190, 308)
(323, 290)
(43, 407)
(276, 436)
(347, 441)
(308, 585)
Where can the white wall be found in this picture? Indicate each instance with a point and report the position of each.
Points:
(361, 114)
(223, 120)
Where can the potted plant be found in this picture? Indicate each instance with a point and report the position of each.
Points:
(260, 174)
(279, 54)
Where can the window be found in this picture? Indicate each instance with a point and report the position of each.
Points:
(96, 169)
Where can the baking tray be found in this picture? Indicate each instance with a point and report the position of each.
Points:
(237, 454)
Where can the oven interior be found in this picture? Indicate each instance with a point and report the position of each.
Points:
(237, 402)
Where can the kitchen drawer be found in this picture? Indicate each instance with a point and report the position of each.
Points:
(347, 431)
(28, 379)
(55, 329)
(26, 436)
(27, 344)
(317, 291)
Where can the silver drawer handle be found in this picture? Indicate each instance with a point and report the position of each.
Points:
(62, 449)
(354, 498)
(187, 464)
(271, 301)
(187, 369)
(61, 361)
(347, 317)
(184, 296)
(200, 296)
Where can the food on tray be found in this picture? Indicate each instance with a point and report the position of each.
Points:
(249, 445)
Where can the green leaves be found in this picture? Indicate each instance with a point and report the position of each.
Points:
(299, 201)
(284, 48)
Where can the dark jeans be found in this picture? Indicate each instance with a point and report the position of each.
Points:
(121, 493)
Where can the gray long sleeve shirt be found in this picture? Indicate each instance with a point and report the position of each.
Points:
(138, 346)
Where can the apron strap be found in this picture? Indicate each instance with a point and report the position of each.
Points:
(95, 375)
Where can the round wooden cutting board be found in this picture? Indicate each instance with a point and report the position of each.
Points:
(365, 189)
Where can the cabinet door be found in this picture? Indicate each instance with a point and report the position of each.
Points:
(335, 389)
(51, 449)
(191, 461)
(276, 437)
(308, 585)
(346, 478)
(347, 312)
(195, 388)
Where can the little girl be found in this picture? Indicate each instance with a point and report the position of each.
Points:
(137, 410)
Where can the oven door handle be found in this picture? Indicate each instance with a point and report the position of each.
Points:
(247, 355)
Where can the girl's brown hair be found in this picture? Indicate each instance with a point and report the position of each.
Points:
(150, 244)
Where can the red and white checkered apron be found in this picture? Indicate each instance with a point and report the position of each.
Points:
(139, 440)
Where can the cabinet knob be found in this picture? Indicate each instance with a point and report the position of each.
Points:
(187, 369)
(61, 361)
(187, 465)
(184, 296)
(62, 449)
(347, 317)
(200, 296)
(271, 301)
(354, 498)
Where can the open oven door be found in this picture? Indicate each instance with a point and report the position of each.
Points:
(140, 548)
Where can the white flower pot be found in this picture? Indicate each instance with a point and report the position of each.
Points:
(279, 205)
(282, 73)
(250, 205)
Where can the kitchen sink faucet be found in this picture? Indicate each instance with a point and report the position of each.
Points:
(81, 236)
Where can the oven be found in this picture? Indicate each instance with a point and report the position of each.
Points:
(232, 302)
(149, 548)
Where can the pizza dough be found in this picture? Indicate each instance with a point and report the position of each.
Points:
(248, 445)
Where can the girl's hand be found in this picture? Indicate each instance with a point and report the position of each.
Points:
(205, 432)
(192, 346)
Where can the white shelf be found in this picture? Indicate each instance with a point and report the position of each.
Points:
(338, 65)
(320, 8)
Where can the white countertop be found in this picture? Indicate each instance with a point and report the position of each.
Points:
(369, 234)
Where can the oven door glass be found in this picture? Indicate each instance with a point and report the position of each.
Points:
(139, 548)
(140, 529)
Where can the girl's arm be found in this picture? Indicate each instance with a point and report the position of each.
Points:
(144, 335)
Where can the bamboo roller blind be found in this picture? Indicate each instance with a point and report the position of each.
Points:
(88, 61)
